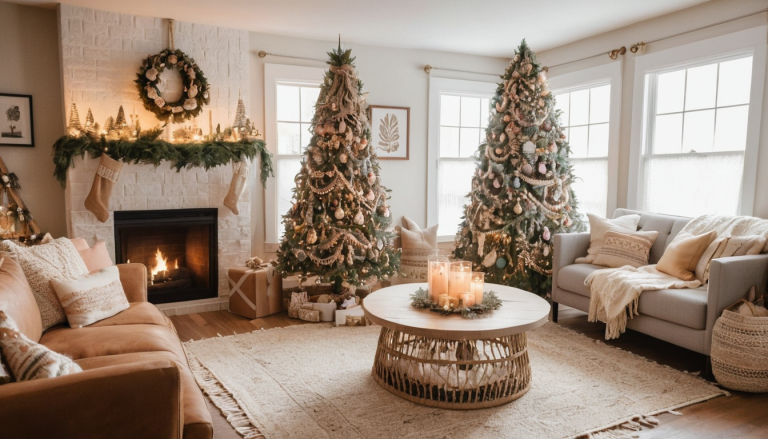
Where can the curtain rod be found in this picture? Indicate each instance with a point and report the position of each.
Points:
(263, 54)
(640, 46)
(428, 68)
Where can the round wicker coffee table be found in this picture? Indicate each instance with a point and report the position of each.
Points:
(449, 361)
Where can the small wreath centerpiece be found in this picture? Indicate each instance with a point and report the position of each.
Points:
(195, 93)
(491, 302)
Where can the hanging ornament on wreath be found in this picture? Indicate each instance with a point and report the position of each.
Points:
(195, 92)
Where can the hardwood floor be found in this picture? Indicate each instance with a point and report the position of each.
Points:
(742, 415)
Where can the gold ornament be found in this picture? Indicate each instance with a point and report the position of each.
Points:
(339, 214)
(517, 209)
(311, 236)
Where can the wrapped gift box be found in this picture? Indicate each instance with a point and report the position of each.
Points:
(341, 314)
(255, 293)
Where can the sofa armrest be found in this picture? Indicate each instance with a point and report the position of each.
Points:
(566, 248)
(134, 280)
(729, 281)
(137, 400)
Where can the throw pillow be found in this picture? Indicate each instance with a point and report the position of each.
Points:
(599, 226)
(413, 236)
(29, 360)
(682, 255)
(92, 298)
(41, 263)
(96, 257)
(417, 246)
(80, 243)
(620, 249)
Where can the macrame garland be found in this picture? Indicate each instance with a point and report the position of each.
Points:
(237, 185)
(106, 176)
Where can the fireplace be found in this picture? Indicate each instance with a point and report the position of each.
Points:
(178, 247)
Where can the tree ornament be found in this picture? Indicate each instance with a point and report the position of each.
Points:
(311, 236)
(342, 127)
(339, 213)
(545, 251)
(343, 158)
(545, 235)
(527, 169)
(370, 196)
(542, 168)
(516, 183)
(496, 183)
(371, 178)
(359, 219)
(517, 209)
(501, 263)
(529, 147)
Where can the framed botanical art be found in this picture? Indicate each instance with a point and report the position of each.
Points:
(390, 130)
(16, 127)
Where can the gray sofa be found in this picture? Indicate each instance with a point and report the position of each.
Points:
(682, 317)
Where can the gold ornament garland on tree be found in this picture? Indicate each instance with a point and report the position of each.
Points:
(195, 94)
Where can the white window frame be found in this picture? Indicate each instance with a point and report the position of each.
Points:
(594, 77)
(275, 74)
(690, 55)
(437, 87)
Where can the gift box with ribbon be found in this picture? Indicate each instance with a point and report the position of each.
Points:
(255, 292)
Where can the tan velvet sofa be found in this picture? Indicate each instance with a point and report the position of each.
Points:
(682, 317)
(135, 383)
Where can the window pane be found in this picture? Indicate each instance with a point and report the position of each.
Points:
(287, 168)
(731, 129)
(670, 90)
(449, 110)
(580, 107)
(669, 130)
(591, 185)
(562, 103)
(287, 103)
(288, 138)
(484, 108)
(308, 100)
(600, 104)
(306, 136)
(449, 142)
(701, 87)
(735, 82)
(702, 184)
(470, 112)
(470, 138)
(699, 131)
(598, 140)
(579, 141)
(453, 186)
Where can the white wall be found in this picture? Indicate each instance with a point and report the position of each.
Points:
(691, 18)
(393, 77)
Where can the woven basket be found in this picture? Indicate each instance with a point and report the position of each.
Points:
(740, 351)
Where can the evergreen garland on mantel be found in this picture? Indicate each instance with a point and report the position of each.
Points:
(146, 148)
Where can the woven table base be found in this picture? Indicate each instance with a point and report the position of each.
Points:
(450, 374)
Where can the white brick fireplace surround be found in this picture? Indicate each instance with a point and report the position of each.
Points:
(100, 55)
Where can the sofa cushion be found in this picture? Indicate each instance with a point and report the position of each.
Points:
(141, 313)
(197, 418)
(88, 342)
(599, 226)
(687, 307)
(668, 227)
(91, 298)
(622, 249)
(571, 278)
(96, 257)
(17, 299)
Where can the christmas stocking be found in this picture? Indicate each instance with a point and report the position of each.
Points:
(106, 177)
(239, 175)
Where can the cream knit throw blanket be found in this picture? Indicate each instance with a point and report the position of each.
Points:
(614, 292)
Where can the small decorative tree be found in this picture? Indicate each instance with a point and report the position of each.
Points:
(14, 114)
(521, 191)
(337, 227)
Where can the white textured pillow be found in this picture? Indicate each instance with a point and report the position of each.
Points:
(42, 263)
(599, 226)
(413, 236)
(620, 249)
(92, 298)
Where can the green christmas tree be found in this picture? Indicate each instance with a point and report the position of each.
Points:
(337, 227)
(521, 190)
(120, 121)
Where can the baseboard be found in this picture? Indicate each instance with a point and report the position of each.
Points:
(194, 306)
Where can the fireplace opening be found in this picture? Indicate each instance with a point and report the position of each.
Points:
(178, 247)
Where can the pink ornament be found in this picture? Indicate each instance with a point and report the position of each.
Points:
(371, 178)
(542, 168)
(496, 184)
(546, 235)
(553, 147)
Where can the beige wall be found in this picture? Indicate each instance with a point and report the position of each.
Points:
(393, 77)
(29, 64)
(691, 18)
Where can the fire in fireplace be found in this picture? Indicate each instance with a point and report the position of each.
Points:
(178, 247)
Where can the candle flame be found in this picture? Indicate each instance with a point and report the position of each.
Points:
(160, 263)
(176, 264)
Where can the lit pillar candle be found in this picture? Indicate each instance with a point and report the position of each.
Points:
(476, 286)
(437, 277)
(467, 299)
(461, 272)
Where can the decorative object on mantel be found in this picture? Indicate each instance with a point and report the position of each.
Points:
(521, 191)
(447, 306)
(195, 94)
(337, 227)
(147, 148)
(16, 222)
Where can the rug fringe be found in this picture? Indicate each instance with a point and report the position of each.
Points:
(224, 400)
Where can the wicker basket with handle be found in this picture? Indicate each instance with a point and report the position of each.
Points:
(740, 350)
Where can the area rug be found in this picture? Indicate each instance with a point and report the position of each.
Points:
(314, 381)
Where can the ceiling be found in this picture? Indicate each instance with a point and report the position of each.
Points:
(481, 27)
